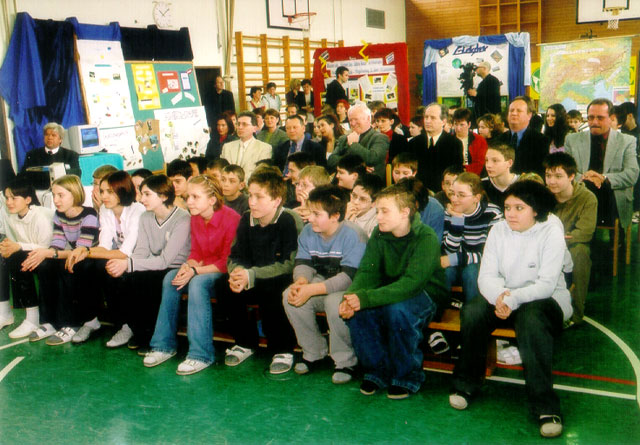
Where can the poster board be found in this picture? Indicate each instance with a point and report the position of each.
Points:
(184, 132)
(376, 72)
(573, 73)
(156, 87)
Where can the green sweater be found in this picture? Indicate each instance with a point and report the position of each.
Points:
(396, 269)
(274, 139)
(578, 214)
(372, 148)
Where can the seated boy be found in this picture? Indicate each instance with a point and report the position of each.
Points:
(498, 163)
(295, 163)
(392, 296)
(310, 177)
(179, 172)
(215, 166)
(577, 208)
(405, 165)
(232, 185)
(329, 253)
(361, 208)
(260, 266)
(198, 164)
(574, 120)
(349, 168)
(449, 175)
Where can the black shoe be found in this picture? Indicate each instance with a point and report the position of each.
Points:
(368, 388)
(305, 366)
(143, 350)
(133, 343)
(397, 392)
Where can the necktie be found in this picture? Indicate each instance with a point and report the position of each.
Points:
(292, 148)
(514, 140)
(430, 142)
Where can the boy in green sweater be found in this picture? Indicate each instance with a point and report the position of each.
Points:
(393, 295)
(577, 208)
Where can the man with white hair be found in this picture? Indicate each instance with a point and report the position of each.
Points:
(363, 141)
(487, 97)
(52, 151)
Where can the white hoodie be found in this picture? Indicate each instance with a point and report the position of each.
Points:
(529, 264)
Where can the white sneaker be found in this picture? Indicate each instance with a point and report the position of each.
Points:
(121, 337)
(61, 337)
(191, 366)
(6, 320)
(83, 333)
(24, 330)
(155, 358)
(42, 332)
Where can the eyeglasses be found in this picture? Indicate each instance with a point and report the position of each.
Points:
(360, 199)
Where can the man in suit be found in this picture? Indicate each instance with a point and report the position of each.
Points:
(52, 151)
(607, 164)
(363, 141)
(436, 150)
(335, 90)
(218, 102)
(531, 146)
(487, 97)
(246, 151)
(297, 142)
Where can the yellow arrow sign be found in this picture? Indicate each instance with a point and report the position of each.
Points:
(361, 52)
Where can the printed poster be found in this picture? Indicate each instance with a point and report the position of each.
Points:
(146, 87)
(372, 80)
(168, 81)
(184, 132)
(123, 142)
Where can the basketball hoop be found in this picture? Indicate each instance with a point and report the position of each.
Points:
(613, 19)
(301, 20)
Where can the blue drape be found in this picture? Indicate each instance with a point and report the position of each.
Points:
(429, 74)
(84, 31)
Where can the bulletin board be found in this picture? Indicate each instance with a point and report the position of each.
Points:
(155, 87)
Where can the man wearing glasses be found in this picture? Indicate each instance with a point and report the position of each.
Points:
(246, 151)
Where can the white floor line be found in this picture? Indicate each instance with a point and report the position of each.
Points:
(9, 367)
(631, 356)
(597, 392)
(15, 343)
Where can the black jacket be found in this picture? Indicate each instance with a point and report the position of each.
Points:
(488, 98)
(39, 157)
(432, 162)
(317, 152)
(530, 152)
(335, 92)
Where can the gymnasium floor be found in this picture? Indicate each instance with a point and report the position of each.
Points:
(87, 394)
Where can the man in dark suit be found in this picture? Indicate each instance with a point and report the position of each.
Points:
(435, 150)
(531, 147)
(487, 97)
(335, 90)
(52, 151)
(297, 142)
(218, 102)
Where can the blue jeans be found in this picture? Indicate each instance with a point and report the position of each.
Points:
(387, 339)
(200, 322)
(468, 276)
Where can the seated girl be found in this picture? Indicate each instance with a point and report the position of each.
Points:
(28, 226)
(521, 281)
(119, 221)
(162, 246)
(467, 221)
(69, 303)
(213, 228)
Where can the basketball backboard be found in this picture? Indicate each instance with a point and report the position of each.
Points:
(288, 14)
(590, 11)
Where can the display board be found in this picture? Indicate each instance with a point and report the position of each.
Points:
(573, 73)
(155, 87)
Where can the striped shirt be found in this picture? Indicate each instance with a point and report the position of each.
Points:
(79, 231)
(464, 236)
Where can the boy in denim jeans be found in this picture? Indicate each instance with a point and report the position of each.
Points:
(393, 295)
(329, 252)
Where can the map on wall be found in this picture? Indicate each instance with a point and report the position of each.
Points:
(574, 73)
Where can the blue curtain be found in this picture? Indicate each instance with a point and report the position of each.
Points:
(84, 31)
(429, 74)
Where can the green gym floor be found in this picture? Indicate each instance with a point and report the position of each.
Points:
(87, 394)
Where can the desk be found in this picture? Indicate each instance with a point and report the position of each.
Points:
(88, 164)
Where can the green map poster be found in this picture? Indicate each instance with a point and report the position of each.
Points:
(574, 73)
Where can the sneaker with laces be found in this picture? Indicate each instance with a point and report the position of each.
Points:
(83, 334)
(121, 337)
(236, 355)
(281, 363)
(42, 332)
(24, 330)
(155, 358)
(191, 366)
(6, 320)
(61, 337)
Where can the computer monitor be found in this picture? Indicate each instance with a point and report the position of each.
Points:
(83, 139)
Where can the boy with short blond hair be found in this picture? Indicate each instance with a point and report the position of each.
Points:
(232, 185)
(310, 177)
(393, 295)
(361, 208)
(329, 253)
(498, 162)
(260, 268)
